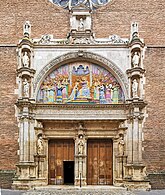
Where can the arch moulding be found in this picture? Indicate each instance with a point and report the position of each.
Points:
(82, 56)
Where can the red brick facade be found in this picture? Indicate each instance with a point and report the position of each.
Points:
(114, 18)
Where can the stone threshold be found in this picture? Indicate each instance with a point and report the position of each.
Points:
(72, 187)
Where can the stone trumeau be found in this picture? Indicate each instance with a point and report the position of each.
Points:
(82, 93)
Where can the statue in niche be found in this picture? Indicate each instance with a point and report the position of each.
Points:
(26, 88)
(135, 88)
(121, 145)
(25, 60)
(135, 59)
(40, 146)
(81, 24)
(26, 29)
(80, 145)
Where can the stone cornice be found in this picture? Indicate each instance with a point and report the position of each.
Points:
(82, 106)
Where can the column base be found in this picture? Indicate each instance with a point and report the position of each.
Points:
(82, 182)
(135, 177)
(27, 184)
(142, 185)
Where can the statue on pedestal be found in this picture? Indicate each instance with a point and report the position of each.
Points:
(81, 145)
(135, 88)
(81, 24)
(135, 59)
(26, 88)
(25, 60)
(121, 145)
(40, 145)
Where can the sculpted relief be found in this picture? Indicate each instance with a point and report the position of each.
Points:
(80, 83)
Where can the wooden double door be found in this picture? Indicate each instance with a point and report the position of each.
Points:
(99, 162)
(100, 158)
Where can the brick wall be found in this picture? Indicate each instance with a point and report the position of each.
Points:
(154, 129)
(6, 178)
(114, 18)
(8, 125)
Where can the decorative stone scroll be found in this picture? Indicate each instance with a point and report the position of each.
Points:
(49, 40)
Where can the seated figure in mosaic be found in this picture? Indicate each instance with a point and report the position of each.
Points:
(84, 92)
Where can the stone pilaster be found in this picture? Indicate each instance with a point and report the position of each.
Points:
(135, 169)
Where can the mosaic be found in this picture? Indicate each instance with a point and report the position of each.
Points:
(80, 83)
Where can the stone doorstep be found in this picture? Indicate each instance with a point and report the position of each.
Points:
(88, 187)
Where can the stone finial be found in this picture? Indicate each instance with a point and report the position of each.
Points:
(27, 29)
(134, 29)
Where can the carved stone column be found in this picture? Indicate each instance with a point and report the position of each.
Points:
(135, 169)
(26, 168)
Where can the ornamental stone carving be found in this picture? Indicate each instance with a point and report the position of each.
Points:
(89, 4)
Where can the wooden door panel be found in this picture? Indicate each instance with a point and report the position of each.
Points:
(100, 162)
(59, 151)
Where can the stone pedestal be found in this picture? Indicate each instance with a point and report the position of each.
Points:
(80, 170)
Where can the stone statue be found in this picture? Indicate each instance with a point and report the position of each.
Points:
(26, 88)
(40, 145)
(25, 60)
(121, 145)
(135, 88)
(135, 59)
(26, 28)
(81, 24)
(80, 145)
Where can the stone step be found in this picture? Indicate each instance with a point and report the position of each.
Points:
(79, 191)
